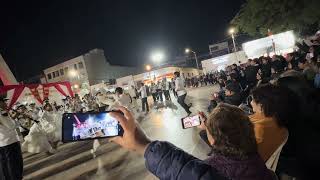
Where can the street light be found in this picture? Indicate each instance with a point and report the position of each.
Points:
(232, 32)
(187, 50)
(157, 56)
(148, 67)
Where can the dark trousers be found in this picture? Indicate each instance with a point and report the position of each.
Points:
(144, 104)
(11, 162)
(154, 96)
(183, 104)
(160, 95)
(174, 93)
(167, 95)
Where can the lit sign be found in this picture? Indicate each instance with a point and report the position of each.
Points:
(259, 47)
(220, 60)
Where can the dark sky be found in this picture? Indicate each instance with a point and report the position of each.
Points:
(38, 34)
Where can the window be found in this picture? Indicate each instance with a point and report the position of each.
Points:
(75, 66)
(188, 74)
(49, 76)
(80, 64)
(66, 70)
(191, 74)
(53, 74)
(61, 72)
(57, 73)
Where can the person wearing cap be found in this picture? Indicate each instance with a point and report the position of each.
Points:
(11, 164)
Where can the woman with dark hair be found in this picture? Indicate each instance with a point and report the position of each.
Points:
(231, 135)
(273, 107)
(299, 157)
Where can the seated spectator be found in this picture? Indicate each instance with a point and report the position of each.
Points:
(272, 107)
(231, 96)
(231, 135)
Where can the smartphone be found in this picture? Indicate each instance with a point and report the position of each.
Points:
(192, 121)
(88, 126)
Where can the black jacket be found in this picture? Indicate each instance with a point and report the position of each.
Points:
(167, 162)
(266, 70)
(251, 73)
(233, 100)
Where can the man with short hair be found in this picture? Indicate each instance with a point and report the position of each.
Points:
(11, 162)
(181, 92)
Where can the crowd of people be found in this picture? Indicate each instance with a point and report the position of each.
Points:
(264, 119)
(262, 124)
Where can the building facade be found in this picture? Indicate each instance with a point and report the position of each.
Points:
(87, 70)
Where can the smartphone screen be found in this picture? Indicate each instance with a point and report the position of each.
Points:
(85, 126)
(192, 121)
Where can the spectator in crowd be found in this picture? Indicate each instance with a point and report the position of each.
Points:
(144, 98)
(231, 96)
(298, 158)
(307, 71)
(276, 64)
(181, 92)
(251, 72)
(292, 63)
(11, 164)
(231, 135)
(265, 67)
(273, 108)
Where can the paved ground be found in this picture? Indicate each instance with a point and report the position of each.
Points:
(75, 160)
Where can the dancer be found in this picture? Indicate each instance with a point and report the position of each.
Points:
(181, 92)
(11, 164)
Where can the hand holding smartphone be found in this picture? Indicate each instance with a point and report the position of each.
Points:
(88, 126)
(192, 121)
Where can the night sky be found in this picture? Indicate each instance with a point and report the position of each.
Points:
(38, 34)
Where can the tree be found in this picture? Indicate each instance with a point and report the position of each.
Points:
(257, 16)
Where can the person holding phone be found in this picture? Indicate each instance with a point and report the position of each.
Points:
(235, 157)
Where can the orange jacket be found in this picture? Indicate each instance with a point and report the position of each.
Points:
(269, 135)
